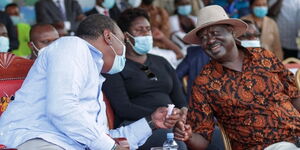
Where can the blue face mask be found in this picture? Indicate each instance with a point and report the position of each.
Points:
(260, 11)
(16, 19)
(184, 9)
(119, 61)
(4, 44)
(142, 44)
(108, 3)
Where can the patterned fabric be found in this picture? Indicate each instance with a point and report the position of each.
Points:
(254, 105)
(4, 101)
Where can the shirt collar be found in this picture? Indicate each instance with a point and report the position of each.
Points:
(248, 57)
(97, 56)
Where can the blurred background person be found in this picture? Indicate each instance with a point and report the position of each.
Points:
(147, 81)
(11, 66)
(4, 41)
(181, 22)
(22, 30)
(53, 11)
(12, 34)
(159, 20)
(269, 38)
(60, 28)
(251, 37)
(288, 21)
(41, 35)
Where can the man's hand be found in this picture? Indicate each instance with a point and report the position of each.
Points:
(183, 114)
(161, 120)
(182, 131)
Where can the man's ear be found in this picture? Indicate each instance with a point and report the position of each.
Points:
(107, 36)
(128, 38)
(30, 45)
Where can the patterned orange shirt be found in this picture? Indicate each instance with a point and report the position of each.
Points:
(254, 105)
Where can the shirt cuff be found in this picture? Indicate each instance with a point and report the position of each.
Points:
(140, 133)
(105, 142)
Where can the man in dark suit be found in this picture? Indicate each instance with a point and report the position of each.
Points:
(54, 11)
(113, 10)
(191, 66)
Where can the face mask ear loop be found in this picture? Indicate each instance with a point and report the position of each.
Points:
(34, 53)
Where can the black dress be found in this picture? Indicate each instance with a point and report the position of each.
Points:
(140, 89)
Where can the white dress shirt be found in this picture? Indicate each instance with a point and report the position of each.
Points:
(61, 102)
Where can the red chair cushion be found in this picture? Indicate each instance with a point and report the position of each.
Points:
(9, 87)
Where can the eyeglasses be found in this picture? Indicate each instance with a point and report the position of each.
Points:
(151, 76)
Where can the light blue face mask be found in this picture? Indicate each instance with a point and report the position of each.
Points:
(4, 44)
(142, 44)
(260, 11)
(108, 3)
(16, 19)
(250, 43)
(119, 61)
(184, 9)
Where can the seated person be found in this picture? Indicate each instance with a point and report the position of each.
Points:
(159, 20)
(251, 37)
(22, 29)
(182, 22)
(270, 38)
(8, 69)
(191, 66)
(147, 81)
(41, 35)
(68, 111)
(248, 90)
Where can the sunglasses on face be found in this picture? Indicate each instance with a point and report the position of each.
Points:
(151, 76)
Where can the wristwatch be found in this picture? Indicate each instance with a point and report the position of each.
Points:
(150, 122)
(114, 147)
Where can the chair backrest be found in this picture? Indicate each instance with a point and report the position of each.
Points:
(13, 71)
(298, 79)
(291, 60)
(225, 138)
(109, 113)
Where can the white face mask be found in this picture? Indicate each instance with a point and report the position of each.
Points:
(36, 49)
(250, 43)
(135, 3)
(4, 44)
(119, 61)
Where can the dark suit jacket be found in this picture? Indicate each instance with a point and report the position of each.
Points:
(114, 12)
(48, 12)
(192, 65)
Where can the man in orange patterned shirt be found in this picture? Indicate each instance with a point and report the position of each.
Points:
(248, 90)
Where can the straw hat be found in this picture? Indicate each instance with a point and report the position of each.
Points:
(213, 15)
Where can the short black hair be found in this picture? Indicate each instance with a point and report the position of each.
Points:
(251, 2)
(128, 16)
(11, 5)
(94, 25)
(34, 29)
